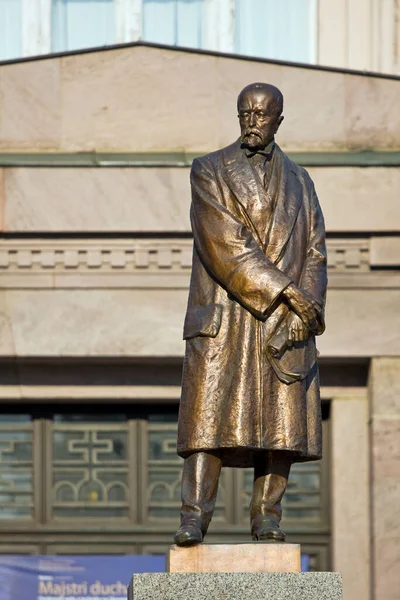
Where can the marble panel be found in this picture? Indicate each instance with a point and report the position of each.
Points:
(372, 115)
(387, 561)
(158, 199)
(385, 251)
(97, 200)
(139, 99)
(103, 109)
(30, 106)
(361, 323)
(314, 109)
(386, 448)
(358, 199)
(156, 100)
(386, 494)
(7, 346)
(351, 518)
(149, 322)
(385, 386)
(94, 323)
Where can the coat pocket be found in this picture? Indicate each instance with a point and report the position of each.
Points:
(202, 321)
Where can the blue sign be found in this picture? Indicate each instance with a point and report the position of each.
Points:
(77, 577)
(305, 562)
(72, 577)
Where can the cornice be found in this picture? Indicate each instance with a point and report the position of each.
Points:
(200, 52)
(166, 263)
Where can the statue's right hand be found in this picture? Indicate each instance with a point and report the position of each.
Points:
(297, 331)
(303, 305)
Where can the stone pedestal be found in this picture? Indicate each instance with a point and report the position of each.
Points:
(236, 586)
(235, 558)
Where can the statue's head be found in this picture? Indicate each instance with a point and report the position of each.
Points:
(260, 107)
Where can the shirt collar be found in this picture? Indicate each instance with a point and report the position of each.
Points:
(267, 151)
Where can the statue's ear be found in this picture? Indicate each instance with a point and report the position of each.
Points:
(279, 123)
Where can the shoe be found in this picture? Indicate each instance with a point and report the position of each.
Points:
(188, 534)
(266, 529)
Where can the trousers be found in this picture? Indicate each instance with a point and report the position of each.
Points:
(201, 472)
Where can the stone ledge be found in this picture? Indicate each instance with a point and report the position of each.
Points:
(163, 254)
(232, 586)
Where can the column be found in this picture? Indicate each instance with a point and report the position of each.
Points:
(219, 16)
(384, 391)
(36, 27)
(333, 34)
(128, 16)
(350, 494)
(389, 41)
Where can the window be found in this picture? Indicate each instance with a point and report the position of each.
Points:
(284, 30)
(111, 479)
(82, 24)
(10, 29)
(174, 22)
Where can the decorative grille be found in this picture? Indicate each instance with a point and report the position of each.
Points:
(90, 471)
(16, 467)
(108, 481)
(164, 472)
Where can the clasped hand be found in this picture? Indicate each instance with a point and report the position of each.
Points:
(305, 316)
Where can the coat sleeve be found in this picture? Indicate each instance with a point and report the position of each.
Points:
(314, 278)
(228, 249)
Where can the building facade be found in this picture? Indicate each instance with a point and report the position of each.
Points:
(95, 255)
(349, 34)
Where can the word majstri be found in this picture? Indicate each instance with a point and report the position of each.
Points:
(63, 590)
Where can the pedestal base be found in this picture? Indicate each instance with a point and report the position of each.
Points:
(235, 558)
(236, 586)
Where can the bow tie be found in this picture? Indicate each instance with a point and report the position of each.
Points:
(267, 151)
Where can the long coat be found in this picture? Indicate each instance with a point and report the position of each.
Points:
(243, 389)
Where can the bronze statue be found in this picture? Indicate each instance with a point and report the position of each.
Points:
(250, 390)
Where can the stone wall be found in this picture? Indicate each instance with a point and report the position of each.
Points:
(144, 99)
(157, 199)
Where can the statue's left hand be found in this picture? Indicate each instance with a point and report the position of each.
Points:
(297, 330)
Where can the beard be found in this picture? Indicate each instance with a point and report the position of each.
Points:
(253, 139)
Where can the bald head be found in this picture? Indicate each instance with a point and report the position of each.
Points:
(260, 107)
(273, 97)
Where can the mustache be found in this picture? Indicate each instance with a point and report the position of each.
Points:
(249, 132)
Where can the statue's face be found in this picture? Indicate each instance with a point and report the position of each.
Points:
(258, 119)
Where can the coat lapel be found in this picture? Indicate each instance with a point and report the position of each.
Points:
(287, 201)
(284, 189)
(242, 182)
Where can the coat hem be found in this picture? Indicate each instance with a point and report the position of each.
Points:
(244, 456)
